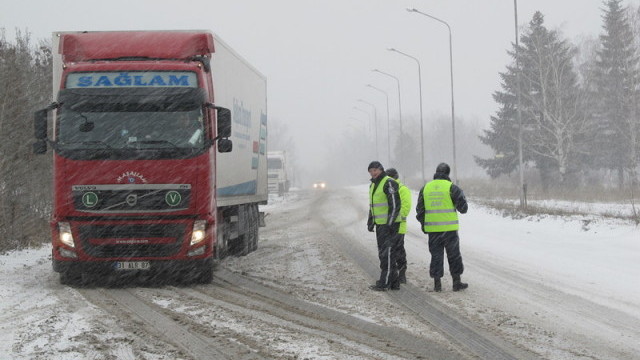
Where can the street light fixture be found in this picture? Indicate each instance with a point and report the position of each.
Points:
(375, 124)
(388, 126)
(421, 117)
(453, 117)
(368, 117)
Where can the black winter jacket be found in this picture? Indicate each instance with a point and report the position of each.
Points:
(393, 199)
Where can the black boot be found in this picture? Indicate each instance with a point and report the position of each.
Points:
(395, 285)
(379, 286)
(457, 284)
(402, 277)
(437, 285)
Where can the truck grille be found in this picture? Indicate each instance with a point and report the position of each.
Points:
(131, 198)
(129, 241)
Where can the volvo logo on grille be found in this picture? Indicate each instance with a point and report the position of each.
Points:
(132, 199)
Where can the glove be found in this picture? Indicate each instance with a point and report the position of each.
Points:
(370, 227)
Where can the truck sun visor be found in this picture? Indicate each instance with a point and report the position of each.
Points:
(132, 99)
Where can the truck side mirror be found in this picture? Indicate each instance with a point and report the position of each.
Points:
(224, 122)
(40, 124)
(40, 147)
(225, 145)
(40, 131)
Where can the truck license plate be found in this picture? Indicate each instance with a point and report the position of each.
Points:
(132, 265)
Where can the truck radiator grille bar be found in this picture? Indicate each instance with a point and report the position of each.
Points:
(129, 241)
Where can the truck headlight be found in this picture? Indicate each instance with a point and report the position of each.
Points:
(64, 229)
(198, 233)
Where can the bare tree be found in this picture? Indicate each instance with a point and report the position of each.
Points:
(25, 186)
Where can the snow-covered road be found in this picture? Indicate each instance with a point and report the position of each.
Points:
(540, 287)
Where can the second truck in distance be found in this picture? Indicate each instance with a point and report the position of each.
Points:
(278, 172)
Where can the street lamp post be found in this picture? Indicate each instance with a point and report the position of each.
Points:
(400, 156)
(369, 116)
(375, 124)
(388, 126)
(523, 192)
(421, 117)
(453, 117)
(399, 99)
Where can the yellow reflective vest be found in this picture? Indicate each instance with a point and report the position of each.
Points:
(405, 206)
(440, 213)
(378, 202)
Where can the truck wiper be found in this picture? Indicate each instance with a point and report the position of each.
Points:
(152, 142)
(92, 142)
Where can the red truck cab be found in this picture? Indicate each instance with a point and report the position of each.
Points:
(135, 138)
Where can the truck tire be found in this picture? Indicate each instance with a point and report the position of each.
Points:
(253, 244)
(221, 241)
(243, 244)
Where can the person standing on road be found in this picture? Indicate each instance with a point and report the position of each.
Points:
(405, 207)
(384, 208)
(436, 212)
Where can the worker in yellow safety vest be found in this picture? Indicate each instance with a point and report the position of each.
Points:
(405, 208)
(437, 211)
(384, 208)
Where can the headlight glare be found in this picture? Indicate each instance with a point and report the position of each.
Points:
(198, 233)
(66, 237)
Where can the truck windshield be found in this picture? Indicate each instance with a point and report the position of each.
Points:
(127, 129)
(274, 163)
(130, 123)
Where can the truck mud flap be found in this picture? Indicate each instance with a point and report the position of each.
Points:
(261, 221)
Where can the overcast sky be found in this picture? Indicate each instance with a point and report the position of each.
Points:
(318, 55)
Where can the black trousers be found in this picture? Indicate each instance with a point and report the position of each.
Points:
(438, 243)
(386, 235)
(401, 254)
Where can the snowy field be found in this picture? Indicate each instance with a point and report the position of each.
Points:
(561, 288)
(587, 209)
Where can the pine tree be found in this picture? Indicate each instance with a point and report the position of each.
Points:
(502, 136)
(555, 128)
(617, 79)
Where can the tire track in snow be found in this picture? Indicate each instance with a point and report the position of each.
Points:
(270, 308)
(334, 324)
(158, 325)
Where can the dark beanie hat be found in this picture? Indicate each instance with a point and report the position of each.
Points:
(392, 172)
(443, 168)
(375, 165)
